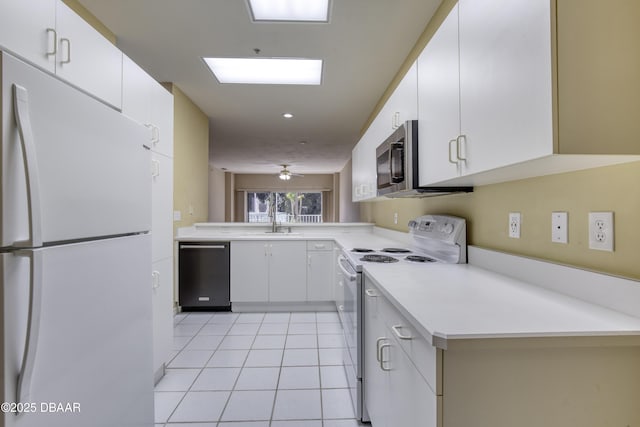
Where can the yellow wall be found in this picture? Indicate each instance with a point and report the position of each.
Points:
(92, 20)
(613, 188)
(190, 160)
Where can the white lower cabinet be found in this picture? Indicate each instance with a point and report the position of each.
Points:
(287, 271)
(320, 263)
(162, 297)
(268, 271)
(249, 271)
(396, 394)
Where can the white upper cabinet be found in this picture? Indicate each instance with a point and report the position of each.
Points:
(363, 168)
(136, 89)
(439, 104)
(515, 89)
(27, 28)
(86, 59)
(52, 36)
(401, 106)
(149, 103)
(162, 206)
(505, 82)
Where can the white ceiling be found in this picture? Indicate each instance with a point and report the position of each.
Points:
(362, 46)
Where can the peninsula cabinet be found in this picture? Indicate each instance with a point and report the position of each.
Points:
(268, 271)
(521, 88)
(52, 36)
(494, 382)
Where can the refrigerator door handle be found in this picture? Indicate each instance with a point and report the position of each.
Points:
(23, 121)
(33, 324)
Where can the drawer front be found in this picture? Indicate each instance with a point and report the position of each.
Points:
(426, 358)
(319, 245)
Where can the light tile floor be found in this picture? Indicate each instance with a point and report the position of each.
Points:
(255, 370)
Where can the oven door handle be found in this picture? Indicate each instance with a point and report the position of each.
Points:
(352, 277)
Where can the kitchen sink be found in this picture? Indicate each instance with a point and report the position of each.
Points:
(276, 233)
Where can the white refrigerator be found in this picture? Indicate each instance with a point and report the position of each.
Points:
(75, 213)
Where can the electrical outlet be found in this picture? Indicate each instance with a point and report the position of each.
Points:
(395, 217)
(514, 225)
(559, 227)
(601, 231)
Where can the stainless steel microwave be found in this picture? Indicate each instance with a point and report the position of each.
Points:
(397, 166)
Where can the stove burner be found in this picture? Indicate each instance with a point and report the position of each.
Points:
(418, 258)
(378, 258)
(396, 250)
(361, 250)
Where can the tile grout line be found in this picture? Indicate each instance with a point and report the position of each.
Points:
(244, 366)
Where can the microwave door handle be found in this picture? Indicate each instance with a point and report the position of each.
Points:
(398, 150)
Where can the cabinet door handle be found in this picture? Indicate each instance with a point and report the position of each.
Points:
(319, 246)
(68, 43)
(382, 361)
(452, 160)
(459, 141)
(155, 168)
(378, 341)
(396, 330)
(55, 42)
(371, 293)
(309, 260)
(155, 275)
(265, 249)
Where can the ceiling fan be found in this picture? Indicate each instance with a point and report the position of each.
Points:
(285, 174)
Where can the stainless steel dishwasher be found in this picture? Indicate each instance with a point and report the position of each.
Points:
(203, 276)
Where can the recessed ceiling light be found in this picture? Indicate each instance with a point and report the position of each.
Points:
(289, 10)
(275, 71)
(287, 115)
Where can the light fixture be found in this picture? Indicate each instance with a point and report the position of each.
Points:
(285, 176)
(289, 10)
(287, 115)
(283, 71)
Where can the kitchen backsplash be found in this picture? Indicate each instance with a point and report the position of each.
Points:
(613, 188)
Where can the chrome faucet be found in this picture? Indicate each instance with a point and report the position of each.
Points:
(274, 219)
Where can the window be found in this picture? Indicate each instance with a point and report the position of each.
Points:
(295, 206)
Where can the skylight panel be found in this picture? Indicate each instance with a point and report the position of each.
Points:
(290, 10)
(274, 71)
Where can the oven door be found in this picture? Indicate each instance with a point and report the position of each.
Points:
(351, 324)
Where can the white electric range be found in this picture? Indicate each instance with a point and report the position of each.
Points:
(434, 239)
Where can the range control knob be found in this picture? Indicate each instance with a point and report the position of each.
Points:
(447, 228)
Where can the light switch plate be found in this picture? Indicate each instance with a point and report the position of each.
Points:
(177, 215)
(559, 227)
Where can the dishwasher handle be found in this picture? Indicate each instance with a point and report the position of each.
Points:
(203, 247)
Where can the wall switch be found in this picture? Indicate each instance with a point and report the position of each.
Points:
(559, 227)
(601, 231)
(514, 225)
(177, 215)
(395, 217)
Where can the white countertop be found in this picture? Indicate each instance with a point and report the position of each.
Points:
(453, 302)
(457, 302)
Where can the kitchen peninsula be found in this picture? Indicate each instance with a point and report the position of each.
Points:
(501, 341)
